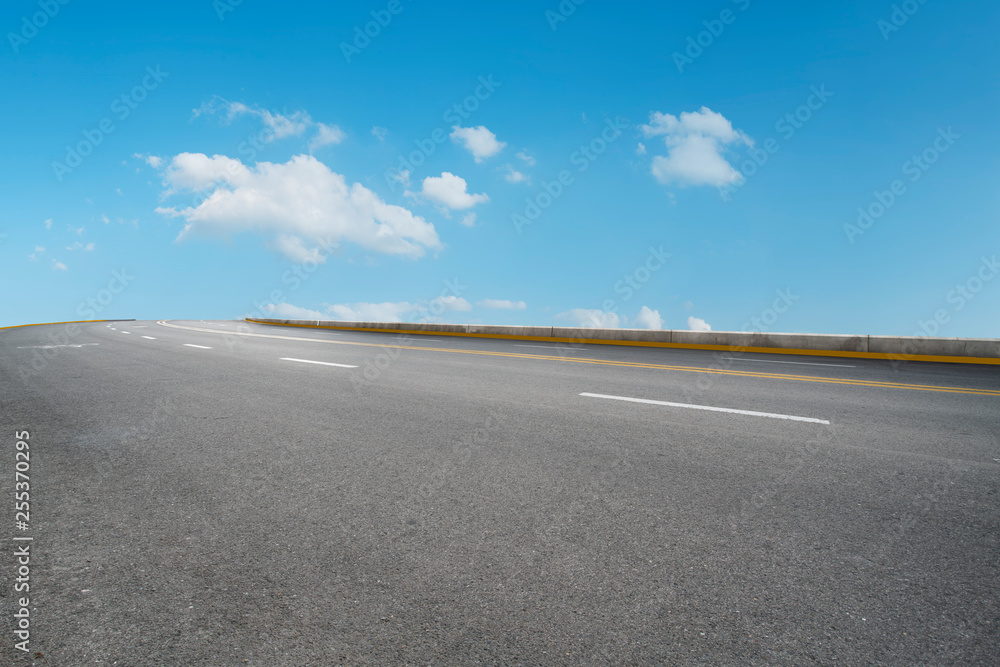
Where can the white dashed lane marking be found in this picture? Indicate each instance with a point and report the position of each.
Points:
(321, 363)
(710, 408)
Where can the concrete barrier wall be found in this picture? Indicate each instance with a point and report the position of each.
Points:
(861, 346)
(946, 347)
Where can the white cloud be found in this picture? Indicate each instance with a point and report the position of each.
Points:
(80, 246)
(295, 249)
(397, 311)
(105, 219)
(58, 266)
(279, 126)
(326, 135)
(477, 140)
(48, 223)
(640, 149)
(300, 198)
(688, 305)
(695, 144)
(469, 220)
(154, 161)
(388, 311)
(698, 324)
(196, 171)
(38, 251)
(367, 312)
(527, 158)
(514, 176)
(380, 132)
(502, 304)
(450, 190)
(286, 311)
(372, 312)
(79, 231)
(402, 176)
(450, 303)
(594, 319)
(648, 319)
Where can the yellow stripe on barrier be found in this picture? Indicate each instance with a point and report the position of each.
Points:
(42, 324)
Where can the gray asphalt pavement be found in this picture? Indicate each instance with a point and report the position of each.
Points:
(206, 493)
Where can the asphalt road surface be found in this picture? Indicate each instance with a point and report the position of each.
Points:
(238, 494)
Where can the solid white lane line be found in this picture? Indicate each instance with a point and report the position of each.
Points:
(799, 363)
(51, 347)
(321, 363)
(709, 408)
(200, 347)
(149, 337)
(550, 347)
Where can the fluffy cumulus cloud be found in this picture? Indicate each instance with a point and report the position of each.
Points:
(590, 318)
(648, 319)
(698, 324)
(276, 125)
(696, 145)
(451, 191)
(477, 140)
(502, 304)
(302, 203)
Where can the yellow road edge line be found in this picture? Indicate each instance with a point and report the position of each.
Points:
(629, 364)
(679, 346)
(42, 324)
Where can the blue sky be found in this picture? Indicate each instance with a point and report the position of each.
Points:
(798, 167)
